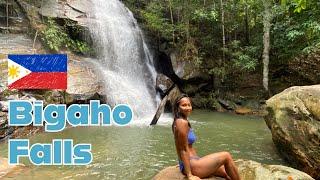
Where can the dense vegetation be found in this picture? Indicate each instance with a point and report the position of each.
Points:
(224, 38)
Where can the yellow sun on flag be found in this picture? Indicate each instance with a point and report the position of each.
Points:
(13, 71)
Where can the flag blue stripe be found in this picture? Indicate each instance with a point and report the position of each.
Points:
(41, 62)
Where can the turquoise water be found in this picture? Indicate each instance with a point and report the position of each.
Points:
(136, 152)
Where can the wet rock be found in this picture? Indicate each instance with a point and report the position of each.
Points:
(25, 131)
(186, 69)
(82, 79)
(294, 120)
(3, 124)
(75, 10)
(248, 170)
(52, 8)
(195, 87)
(228, 105)
(80, 5)
(163, 83)
(207, 101)
(243, 110)
(7, 170)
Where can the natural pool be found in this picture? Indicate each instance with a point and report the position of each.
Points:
(139, 152)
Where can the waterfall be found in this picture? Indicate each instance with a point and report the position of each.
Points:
(124, 59)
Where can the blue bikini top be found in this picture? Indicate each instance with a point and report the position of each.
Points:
(191, 137)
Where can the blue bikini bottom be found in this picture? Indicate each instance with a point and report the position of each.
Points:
(181, 166)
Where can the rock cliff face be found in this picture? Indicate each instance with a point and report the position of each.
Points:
(294, 121)
(248, 170)
(13, 22)
(76, 10)
(83, 83)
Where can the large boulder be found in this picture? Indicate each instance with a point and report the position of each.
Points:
(251, 170)
(248, 170)
(76, 10)
(186, 69)
(294, 120)
(82, 78)
(173, 173)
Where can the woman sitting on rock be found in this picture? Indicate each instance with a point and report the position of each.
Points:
(216, 164)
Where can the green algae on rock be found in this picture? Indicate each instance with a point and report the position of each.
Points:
(294, 121)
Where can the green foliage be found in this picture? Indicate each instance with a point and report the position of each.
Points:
(294, 34)
(243, 57)
(79, 46)
(56, 38)
(203, 15)
(298, 32)
(298, 5)
(218, 71)
(194, 29)
(157, 24)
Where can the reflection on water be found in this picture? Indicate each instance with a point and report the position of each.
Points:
(140, 152)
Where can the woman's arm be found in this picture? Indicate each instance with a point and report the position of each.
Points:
(182, 130)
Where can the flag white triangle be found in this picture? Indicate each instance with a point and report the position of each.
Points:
(16, 71)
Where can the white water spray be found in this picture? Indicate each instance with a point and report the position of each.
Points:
(124, 59)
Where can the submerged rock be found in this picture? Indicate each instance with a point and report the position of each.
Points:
(243, 110)
(7, 170)
(294, 121)
(248, 170)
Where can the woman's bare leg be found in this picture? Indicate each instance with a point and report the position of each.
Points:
(208, 165)
(221, 172)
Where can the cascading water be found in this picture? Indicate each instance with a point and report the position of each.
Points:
(124, 59)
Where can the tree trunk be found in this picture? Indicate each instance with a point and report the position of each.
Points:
(171, 96)
(223, 30)
(246, 26)
(171, 16)
(216, 76)
(7, 11)
(266, 42)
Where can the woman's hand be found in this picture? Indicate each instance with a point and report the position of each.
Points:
(192, 177)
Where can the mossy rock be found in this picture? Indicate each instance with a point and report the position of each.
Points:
(294, 120)
(248, 170)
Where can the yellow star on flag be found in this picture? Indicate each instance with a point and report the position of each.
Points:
(16, 72)
(13, 71)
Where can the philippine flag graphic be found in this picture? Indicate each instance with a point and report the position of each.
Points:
(40, 71)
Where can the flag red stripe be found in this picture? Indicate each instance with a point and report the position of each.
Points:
(36, 80)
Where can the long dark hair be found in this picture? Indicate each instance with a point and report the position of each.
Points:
(175, 109)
